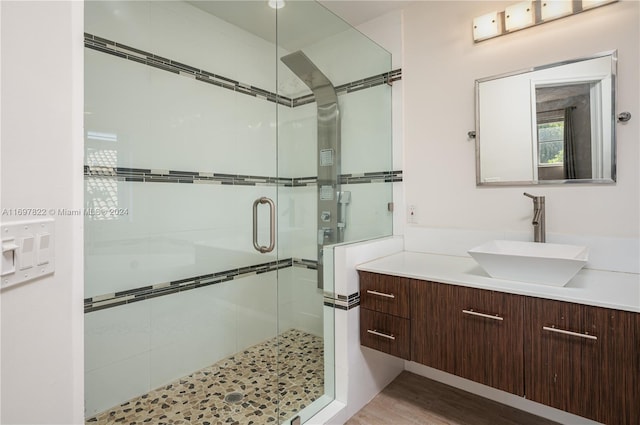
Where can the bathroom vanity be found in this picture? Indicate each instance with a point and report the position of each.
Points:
(574, 348)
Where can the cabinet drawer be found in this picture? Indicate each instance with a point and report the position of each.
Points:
(384, 332)
(385, 294)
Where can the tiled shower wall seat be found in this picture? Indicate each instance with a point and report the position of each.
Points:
(276, 379)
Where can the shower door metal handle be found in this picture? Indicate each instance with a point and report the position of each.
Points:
(272, 225)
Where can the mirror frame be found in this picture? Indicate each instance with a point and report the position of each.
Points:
(612, 180)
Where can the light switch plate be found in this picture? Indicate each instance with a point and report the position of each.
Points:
(33, 256)
(412, 214)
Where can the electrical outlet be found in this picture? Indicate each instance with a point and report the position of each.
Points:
(412, 214)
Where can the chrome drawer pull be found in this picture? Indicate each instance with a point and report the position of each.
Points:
(562, 331)
(382, 294)
(486, 316)
(381, 334)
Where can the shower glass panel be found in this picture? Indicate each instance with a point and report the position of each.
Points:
(339, 159)
(201, 145)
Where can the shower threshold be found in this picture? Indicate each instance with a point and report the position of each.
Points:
(246, 388)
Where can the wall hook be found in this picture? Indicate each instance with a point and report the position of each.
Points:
(471, 134)
(624, 116)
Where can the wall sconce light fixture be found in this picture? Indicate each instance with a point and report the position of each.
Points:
(528, 14)
(555, 9)
(486, 26)
(518, 16)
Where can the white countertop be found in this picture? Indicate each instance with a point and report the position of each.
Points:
(592, 287)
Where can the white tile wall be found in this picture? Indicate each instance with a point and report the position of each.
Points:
(163, 27)
(309, 310)
(160, 119)
(302, 212)
(297, 134)
(137, 347)
(256, 297)
(367, 214)
(366, 130)
(120, 381)
(204, 228)
(111, 338)
(286, 302)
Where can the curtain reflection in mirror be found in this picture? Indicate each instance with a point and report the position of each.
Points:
(563, 114)
(569, 145)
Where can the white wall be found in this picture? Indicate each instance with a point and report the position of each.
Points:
(41, 330)
(441, 65)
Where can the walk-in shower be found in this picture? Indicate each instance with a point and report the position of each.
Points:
(228, 143)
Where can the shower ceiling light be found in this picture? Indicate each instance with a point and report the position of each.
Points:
(529, 14)
(276, 4)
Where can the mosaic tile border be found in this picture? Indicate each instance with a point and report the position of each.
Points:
(376, 80)
(305, 264)
(101, 302)
(372, 177)
(342, 302)
(147, 175)
(123, 51)
(146, 58)
(104, 301)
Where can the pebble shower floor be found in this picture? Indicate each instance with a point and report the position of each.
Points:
(211, 396)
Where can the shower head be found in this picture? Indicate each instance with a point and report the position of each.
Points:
(309, 73)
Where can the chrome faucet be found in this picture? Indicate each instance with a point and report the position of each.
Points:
(539, 229)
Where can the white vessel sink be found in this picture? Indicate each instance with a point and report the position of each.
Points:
(533, 262)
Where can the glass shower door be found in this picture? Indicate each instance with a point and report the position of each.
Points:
(204, 149)
(334, 155)
(181, 310)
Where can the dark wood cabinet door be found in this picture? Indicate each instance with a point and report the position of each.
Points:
(472, 333)
(432, 333)
(489, 336)
(384, 332)
(384, 293)
(584, 360)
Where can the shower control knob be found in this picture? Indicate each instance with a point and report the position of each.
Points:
(325, 216)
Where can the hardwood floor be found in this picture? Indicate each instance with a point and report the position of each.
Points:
(414, 400)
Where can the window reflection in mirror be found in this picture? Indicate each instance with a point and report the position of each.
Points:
(564, 131)
(550, 124)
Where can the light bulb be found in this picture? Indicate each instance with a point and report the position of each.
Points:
(276, 4)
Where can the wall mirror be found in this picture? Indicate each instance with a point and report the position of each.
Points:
(552, 124)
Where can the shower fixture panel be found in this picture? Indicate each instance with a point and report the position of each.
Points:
(330, 218)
